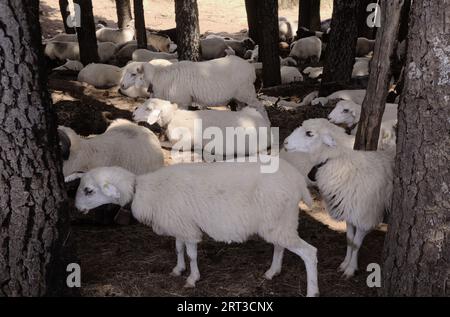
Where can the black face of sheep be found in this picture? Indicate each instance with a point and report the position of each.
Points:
(249, 44)
(64, 143)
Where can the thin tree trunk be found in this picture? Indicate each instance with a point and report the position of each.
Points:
(33, 217)
(87, 39)
(340, 54)
(63, 7)
(417, 247)
(139, 20)
(123, 9)
(309, 14)
(380, 75)
(188, 30)
(252, 19)
(267, 13)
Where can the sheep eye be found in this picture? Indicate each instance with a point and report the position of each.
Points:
(345, 111)
(309, 134)
(88, 191)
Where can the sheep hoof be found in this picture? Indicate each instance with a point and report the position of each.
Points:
(176, 272)
(348, 273)
(270, 274)
(342, 267)
(189, 285)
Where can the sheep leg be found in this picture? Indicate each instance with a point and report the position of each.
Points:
(191, 249)
(181, 264)
(308, 253)
(277, 261)
(353, 264)
(348, 256)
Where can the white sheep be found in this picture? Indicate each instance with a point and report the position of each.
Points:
(361, 67)
(63, 37)
(313, 72)
(159, 41)
(227, 201)
(290, 74)
(355, 95)
(144, 55)
(71, 65)
(214, 47)
(116, 36)
(364, 46)
(71, 50)
(100, 75)
(356, 185)
(286, 29)
(123, 144)
(210, 83)
(180, 127)
(307, 48)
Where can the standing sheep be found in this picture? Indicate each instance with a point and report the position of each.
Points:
(241, 202)
(356, 185)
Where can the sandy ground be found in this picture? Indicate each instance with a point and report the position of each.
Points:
(215, 15)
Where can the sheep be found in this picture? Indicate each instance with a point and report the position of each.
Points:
(144, 55)
(288, 61)
(361, 67)
(241, 202)
(356, 185)
(63, 37)
(71, 50)
(209, 83)
(304, 32)
(116, 36)
(213, 47)
(307, 48)
(159, 41)
(364, 46)
(180, 126)
(355, 95)
(286, 29)
(100, 75)
(240, 47)
(313, 72)
(70, 65)
(123, 144)
(290, 74)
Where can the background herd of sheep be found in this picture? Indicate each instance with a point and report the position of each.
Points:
(126, 165)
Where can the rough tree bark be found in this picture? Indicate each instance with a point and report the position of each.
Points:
(87, 39)
(267, 13)
(123, 9)
(252, 19)
(380, 76)
(33, 217)
(63, 7)
(139, 24)
(188, 30)
(340, 52)
(417, 247)
(309, 14)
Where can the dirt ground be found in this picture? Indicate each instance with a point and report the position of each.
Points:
(133, 261)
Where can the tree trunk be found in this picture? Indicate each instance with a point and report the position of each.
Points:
(309, 14)
(417, 247)
(87, 40)
(63, 7)
(188, 30)
(340, 55)
(252, 19)
(267, 13)
(123, 9)
(380, 76)
(139, 22)
(363, 29)
(33, 217)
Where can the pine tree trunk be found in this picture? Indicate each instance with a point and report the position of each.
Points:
(267, 13)
(139, 20)
(309, 14)
(380, 76)
(63, 7)
(252, 19)
(340, 54)
(33, 217)
(188, 30)
(87, 39)
(123, 9)
(417, 247)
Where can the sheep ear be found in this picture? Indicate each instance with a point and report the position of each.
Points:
(110, 191)
(328, 140)
(73, 177)
(154, 116)
(65, 144)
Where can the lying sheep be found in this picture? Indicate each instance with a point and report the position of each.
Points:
(63, 37)
(210, 83)
(144, 55)
(240, 47)
(355, 95)
(304, 32)
(100, 75)
(214, 47)
(290, 74)
(70, 65)
(361, 67)
(71, 50)
(241, 202)
(313, 72)
(123, 144)
(364, 46)
(356, 185)
(116, 36)
(179, 126)
(159, 41)
(308, 48)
